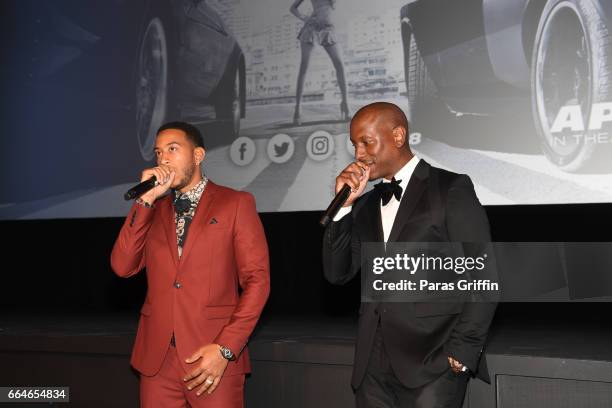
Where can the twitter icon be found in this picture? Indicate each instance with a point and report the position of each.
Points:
(280, 148)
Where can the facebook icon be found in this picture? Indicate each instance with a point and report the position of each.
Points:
(242, 151)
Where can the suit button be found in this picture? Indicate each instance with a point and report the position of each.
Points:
(177, 285)
(376, 311)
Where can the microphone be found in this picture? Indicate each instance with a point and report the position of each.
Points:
(140, 189)
(335, 205)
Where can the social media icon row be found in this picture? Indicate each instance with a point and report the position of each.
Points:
(281, 147)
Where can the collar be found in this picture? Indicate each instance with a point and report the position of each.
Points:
(194, 194)
(405, 173)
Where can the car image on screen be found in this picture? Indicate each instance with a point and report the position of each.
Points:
(88, 83)
(552, 58)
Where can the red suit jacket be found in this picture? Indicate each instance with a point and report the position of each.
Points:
(213, 294)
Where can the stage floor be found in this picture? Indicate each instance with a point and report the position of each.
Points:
(297, 359)
(113, 333)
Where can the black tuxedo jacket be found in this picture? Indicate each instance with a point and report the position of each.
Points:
(437, 206)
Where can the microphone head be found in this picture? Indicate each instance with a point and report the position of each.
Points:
(140, 189)
(182, 205)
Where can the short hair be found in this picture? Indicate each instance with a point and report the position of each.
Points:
(192, 132)
(390, 112)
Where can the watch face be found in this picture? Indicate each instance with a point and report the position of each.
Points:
(227, 353)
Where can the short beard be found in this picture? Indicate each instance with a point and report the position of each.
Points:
(189, 172)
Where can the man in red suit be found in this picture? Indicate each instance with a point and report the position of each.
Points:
(207, 266)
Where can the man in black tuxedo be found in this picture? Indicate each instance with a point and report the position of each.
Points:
(422, 354)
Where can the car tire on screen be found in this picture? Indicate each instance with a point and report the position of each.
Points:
(425, 106)
(571, 66)
(153, 99)
(229, 106)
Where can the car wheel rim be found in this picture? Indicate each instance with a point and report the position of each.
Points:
(236, 111)
(563, 77)
(151, 86)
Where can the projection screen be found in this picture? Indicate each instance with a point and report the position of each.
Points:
(515, 93)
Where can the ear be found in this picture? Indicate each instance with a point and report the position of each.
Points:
(199, 154)
(399, 136)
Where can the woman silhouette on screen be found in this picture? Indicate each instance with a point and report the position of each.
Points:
(319, 28)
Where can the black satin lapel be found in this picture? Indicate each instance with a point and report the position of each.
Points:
(374, 228)
(410, 199)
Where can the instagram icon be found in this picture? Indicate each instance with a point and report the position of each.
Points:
(320, 145)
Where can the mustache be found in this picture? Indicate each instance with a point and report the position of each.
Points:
(366, 162)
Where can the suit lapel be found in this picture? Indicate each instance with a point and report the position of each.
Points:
(374, 230)
(199, 219)
(410, 198)
(167, 213)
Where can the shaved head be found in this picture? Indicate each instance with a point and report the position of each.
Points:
(383, 114)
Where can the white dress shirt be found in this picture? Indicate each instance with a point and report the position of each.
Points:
(389, 211)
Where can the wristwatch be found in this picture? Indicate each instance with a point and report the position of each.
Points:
(227, 353)
(144, 203)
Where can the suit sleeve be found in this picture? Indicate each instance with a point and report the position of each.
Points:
(341, 250)
(467, 222)
(128, 255)
(251, 254)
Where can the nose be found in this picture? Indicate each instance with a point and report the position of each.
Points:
(360, 153)
(163, 159)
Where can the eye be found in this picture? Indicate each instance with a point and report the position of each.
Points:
(172, 148)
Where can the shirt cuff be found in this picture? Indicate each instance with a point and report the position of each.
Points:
(342, 212)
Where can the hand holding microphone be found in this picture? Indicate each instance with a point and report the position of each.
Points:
(356, 176)
(164, 177)
(349, 185)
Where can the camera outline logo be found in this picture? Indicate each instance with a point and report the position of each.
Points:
(320, 145)
(280, 148)
(242, 151)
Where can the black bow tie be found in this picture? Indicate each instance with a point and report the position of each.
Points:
(387, 190)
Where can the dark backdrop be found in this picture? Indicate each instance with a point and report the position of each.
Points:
(63, 265)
